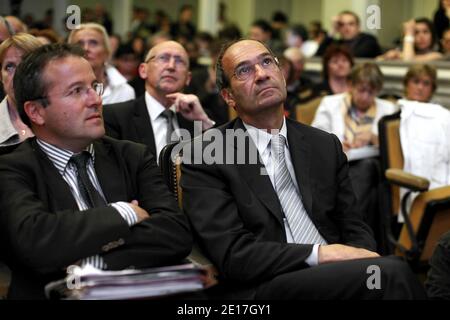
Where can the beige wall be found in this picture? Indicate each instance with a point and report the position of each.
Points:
(305, 11)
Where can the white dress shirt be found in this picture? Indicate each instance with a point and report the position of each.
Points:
(262, 138)
(61, 160)
(117, 89)
(159, 122)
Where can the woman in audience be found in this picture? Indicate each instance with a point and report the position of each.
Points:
(353, 117)
(420, 82)
(94, 39)
(419, 43)
(12, 129)
(337, 63)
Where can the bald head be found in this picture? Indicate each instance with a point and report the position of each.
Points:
(168, 45)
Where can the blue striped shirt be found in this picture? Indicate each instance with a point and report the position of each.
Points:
(61, 160)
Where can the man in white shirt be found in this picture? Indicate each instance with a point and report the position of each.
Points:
(157, 117)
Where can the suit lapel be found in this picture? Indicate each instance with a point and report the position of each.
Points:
(58, 187)
(108, 173)
(258, 182)
(299, 149)
(143, 124)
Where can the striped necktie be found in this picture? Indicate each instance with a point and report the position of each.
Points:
(302, 228)
(90, 195)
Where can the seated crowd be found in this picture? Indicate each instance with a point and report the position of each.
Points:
(83, 122)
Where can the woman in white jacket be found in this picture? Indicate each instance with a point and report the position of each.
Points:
(353, 117)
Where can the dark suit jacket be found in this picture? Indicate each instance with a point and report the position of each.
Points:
(46, 232)
(130, 121)
(364, 45)
(237, 215)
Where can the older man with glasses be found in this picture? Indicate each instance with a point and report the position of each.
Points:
(155, 118)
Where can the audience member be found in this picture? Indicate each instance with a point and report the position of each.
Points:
(441, 18)
(353, 117)
(337, 64)
(73, 196)
(12, 128)
(154, 118)
(418, 43)
(184, 27)
(284, 226)
(93, 38)
(360, 44)
(300, 85)
(420, 82)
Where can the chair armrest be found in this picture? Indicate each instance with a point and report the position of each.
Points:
(407, 180)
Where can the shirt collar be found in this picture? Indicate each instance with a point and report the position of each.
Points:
(154, 107)
(115, 78)
(262, 138)
(60, 157)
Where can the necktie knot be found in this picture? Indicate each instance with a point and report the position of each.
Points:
(87, 190)
(168, 114)
(81, 159)
(278, 142)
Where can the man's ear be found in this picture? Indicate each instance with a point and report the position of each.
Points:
(35, 112)
(188, 78)
(143, 70)
(227, 95)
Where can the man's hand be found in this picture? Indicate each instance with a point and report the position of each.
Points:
(141, 213)
(190, 108)
(340, 252)
(409, 27)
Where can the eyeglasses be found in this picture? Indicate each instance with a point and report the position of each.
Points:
(165, 58)
(80, 91)
(247, 70)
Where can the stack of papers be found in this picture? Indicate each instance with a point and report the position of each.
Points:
(363, 153)
(89, 283)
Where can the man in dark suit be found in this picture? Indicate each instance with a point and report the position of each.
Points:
(273, 205)
(152, 118)
(71, 196)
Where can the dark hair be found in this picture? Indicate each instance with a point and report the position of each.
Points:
(263, 25)
(229, 33)
(430, 27)
(279, 16)
(330, 52)
(222, 80)
(28, 80)
(358, 22)
(299, 30)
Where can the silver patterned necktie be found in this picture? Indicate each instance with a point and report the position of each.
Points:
(168, 114)
(302, 228)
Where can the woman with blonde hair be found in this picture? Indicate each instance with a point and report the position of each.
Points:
(94, 39)
(12, 129)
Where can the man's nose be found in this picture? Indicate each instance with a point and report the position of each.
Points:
(171, 63)
(260, 72)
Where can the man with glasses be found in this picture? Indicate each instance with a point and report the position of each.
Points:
(71, 196)
(154, 119)
(285, 225)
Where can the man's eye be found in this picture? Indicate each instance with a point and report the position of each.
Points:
(243, 70)
(76, 91)
(10, 67)
(267, 61)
